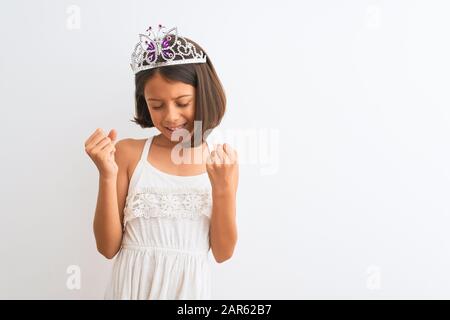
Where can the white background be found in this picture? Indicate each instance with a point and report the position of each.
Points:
(357, 93)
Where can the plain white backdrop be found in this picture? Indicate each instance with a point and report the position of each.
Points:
(347, 103)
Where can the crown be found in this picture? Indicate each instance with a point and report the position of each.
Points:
(164, 49)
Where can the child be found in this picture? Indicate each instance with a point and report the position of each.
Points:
(159, 213)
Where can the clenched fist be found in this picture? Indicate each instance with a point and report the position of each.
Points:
(223, 170)
(101, 149)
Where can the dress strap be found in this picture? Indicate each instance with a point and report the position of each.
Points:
(147, 144)
(210, 146)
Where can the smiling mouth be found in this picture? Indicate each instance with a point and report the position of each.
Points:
(176, 128)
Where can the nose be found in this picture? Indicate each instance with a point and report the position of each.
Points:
(172, 114)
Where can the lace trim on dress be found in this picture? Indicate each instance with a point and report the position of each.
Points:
(157, 202)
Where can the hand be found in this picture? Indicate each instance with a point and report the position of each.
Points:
(223, 170)
(101, 150)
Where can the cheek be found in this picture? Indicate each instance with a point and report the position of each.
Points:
(191, 112)
(154, 115)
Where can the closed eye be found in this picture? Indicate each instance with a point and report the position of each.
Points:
(178, 104)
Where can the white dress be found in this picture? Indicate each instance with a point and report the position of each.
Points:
(165, 245)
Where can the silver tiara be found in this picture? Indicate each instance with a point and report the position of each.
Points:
(164, 49)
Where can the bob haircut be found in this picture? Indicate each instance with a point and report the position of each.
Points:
(210, 99)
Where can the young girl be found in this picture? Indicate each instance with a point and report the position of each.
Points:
(162, 204)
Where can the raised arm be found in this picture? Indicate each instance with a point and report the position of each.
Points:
(113, 187)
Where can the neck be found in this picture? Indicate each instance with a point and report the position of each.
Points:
(162, 141)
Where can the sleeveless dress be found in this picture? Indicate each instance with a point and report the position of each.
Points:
(165, 244)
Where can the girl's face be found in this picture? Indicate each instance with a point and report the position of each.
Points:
(171, 105)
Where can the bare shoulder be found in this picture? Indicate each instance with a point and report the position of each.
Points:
(129, 143)
(128, 153)
(128, 146)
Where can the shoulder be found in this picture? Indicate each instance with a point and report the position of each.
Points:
(128, 152)
(129, 143)
(127, 148)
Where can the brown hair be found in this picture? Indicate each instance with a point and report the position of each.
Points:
(210, 100)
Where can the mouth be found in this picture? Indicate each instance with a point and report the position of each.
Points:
(173, 129)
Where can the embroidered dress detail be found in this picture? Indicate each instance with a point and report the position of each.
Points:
(152, 202)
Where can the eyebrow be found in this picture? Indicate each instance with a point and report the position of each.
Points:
(184, 95)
